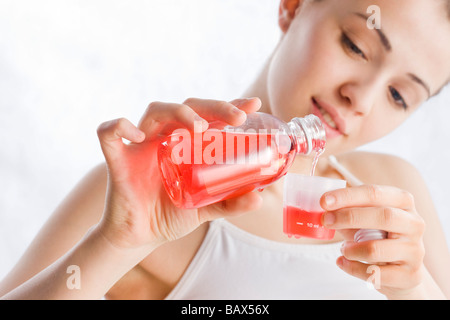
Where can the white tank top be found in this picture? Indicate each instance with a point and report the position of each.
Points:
(234, 264)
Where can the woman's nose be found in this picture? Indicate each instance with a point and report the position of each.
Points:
(358, 96)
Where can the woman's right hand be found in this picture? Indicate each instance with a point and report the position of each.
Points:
(138, 212)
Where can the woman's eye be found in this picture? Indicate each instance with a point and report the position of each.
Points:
(398, 98)
(351, 46)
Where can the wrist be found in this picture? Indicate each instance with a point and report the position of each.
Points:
(126, 240)
(87, 271)
(416, 293)
(132, 254)
(101, 263)
(427, 289)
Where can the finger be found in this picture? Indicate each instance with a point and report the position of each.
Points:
(390, 275)
(367, 196)
(193, 114)
(347, 234)
(231, 207)
(112, 132)
(232, 113)
(248, 105)
(161, 116)
(363, 271)
(382, 218)
(383, 251)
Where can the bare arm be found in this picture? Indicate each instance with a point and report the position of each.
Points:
(423, 232)
(107, 225)
(87, 271)
(437, 254)
(79, 211)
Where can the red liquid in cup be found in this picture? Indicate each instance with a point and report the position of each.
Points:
(300, 223)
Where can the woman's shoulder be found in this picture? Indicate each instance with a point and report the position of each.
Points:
(380, 168)
(390, 170)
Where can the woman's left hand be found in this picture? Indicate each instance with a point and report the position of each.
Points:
(397, 259)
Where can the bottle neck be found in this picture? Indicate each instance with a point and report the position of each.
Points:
(308, 134)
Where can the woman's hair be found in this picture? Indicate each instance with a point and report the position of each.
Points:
(448, 8)
(447, 2)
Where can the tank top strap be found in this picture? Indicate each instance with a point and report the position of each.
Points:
(350, 177)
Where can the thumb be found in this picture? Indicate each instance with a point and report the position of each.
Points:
(110, 134)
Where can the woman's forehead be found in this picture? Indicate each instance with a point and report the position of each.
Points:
(418, 32)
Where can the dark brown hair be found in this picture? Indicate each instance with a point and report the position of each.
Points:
(446, 1)
(448, 8)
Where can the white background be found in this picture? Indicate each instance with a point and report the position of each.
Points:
(66, 66)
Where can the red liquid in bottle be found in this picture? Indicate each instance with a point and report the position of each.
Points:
(300, 223)
(243, 162)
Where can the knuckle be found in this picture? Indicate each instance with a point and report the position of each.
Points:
(102, 127)
(345, 195)
(414, 266)
(181, 110)
(409, 199)
(388, 217)
(107, 126)
(419, 226)
(224, 106)
(351, 269)
(418, 250)
(152, 108)
(373, 251)
(374, 192)
(421, 252)
(152, 105)
(120, 122)
(415, 276)
(351, 218)
(189, 100)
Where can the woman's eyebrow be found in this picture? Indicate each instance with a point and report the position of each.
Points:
(383, 38)
(420, 81)
(387, 45)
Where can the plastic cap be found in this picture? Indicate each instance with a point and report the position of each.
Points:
(369, 234)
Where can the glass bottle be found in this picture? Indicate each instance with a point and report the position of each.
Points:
(201, 168)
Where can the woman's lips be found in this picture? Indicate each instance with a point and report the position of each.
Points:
(332, 123)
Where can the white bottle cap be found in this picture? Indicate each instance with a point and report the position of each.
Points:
(369, 234)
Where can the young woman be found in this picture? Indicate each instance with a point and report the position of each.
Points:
(122, 233)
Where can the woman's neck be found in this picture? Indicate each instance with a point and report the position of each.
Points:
(259, 88)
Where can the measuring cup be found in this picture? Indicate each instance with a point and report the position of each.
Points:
(302, 212)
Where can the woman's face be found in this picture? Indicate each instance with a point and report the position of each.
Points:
(362, 82)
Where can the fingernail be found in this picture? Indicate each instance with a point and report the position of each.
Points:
(242, 101)
(200, 124)
(340, 262)
(329, 218)
(140, 135)
(330, 200)
(342, 248)
(238, 102)
(237, 111)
